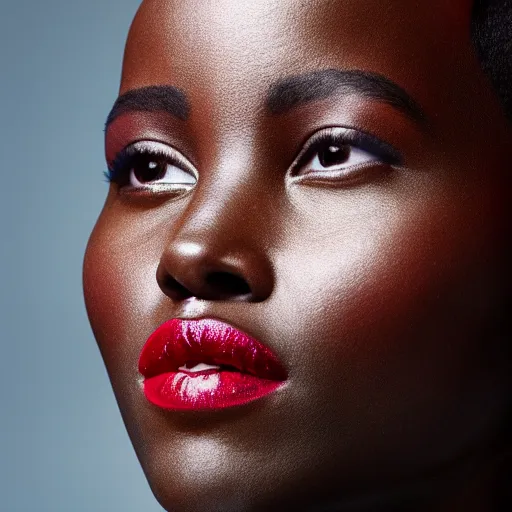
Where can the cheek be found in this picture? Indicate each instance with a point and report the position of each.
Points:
(394, 258)
(392, 299)
(121, 294)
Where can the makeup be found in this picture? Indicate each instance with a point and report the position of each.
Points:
(150, 163)
(206, 364)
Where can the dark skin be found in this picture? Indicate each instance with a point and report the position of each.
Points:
(380, 290)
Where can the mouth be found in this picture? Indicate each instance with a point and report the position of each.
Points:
(206, 365)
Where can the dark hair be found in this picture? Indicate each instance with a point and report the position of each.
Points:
(491, 31)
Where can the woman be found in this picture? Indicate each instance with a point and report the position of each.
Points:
(297, 282)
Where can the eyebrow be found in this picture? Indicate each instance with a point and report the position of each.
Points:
(282, 96)
(153, 98)
(317, 85)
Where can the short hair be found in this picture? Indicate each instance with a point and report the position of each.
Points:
(491, 32)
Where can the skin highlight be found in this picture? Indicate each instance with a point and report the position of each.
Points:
(380, 291)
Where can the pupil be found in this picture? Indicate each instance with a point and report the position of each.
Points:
(146, 170)
(334, 155)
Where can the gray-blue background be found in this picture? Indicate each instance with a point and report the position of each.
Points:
(63, 446)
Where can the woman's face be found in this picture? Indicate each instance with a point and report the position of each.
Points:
(329, 178)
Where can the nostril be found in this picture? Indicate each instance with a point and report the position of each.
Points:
(175, 289)
(228, 285)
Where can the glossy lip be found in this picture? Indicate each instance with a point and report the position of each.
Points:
(248, 369)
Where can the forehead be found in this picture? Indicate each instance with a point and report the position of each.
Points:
(228, 44)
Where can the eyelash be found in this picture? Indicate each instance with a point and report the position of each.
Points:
(340, 136)
(119, 170)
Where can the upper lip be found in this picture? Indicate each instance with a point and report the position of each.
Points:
(178, 342)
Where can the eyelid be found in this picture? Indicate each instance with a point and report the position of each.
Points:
(119, 166)
(344, 135)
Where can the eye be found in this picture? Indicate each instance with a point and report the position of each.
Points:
(153, 167)
(341, 154)
(339, 157)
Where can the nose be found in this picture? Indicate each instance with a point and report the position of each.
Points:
(215, 258)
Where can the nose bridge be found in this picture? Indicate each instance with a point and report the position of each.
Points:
(227, 208)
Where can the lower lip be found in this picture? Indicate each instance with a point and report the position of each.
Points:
(206, 390)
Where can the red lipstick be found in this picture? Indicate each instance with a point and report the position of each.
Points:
(205, 365)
